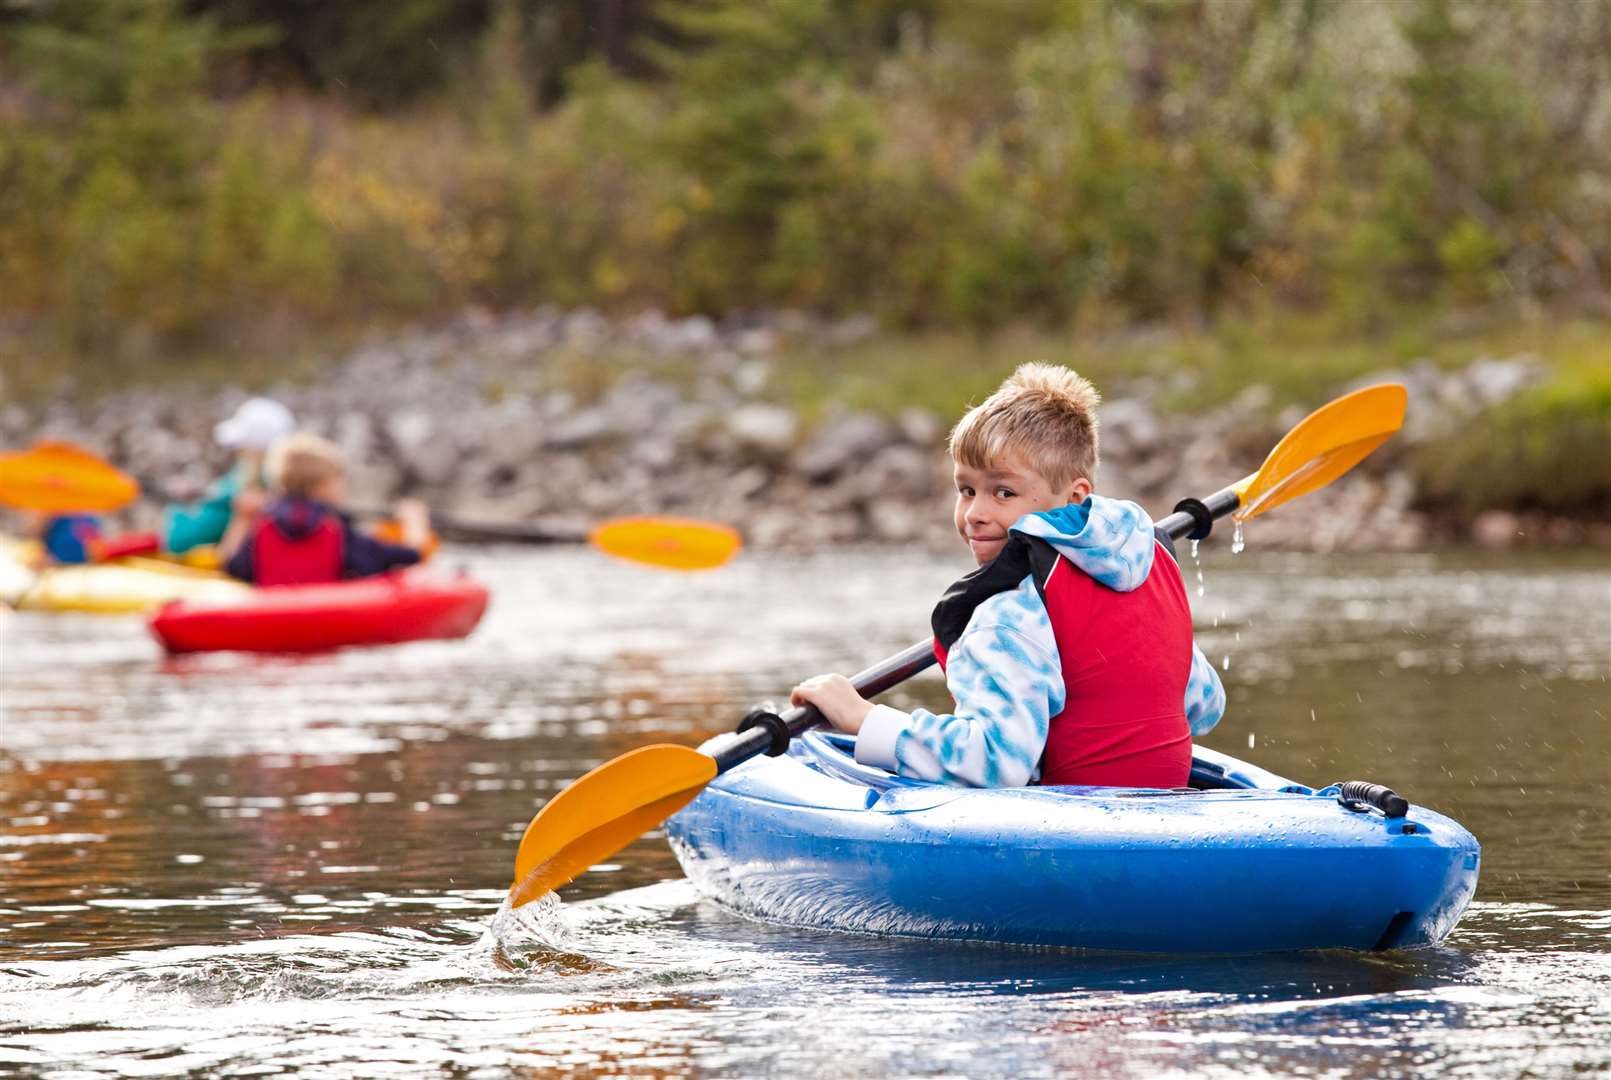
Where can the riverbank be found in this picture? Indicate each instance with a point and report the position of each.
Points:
(804, 431)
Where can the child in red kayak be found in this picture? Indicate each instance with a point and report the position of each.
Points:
(302, 537)
(1069, 652)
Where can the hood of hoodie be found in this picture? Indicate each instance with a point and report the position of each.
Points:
(297, 518)
(1110, 539)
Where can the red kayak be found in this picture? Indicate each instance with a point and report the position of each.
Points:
(410, 606)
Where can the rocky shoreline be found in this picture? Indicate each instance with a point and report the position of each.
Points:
(562, 418)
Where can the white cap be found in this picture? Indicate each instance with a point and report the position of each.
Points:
(255, 425)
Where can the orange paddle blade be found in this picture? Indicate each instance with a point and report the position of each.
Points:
(1324, 445)
(673, 543)
(603, 812)
(60, 478)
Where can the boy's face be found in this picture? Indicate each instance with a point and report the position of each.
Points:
(990, 500)
(332, 490)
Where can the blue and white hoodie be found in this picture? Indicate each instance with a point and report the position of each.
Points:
(1004, 672)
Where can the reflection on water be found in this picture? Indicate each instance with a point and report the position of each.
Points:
(226, 864)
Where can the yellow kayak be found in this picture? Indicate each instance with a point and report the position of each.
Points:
(130, 585)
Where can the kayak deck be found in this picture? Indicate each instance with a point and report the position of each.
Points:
(1243, 861)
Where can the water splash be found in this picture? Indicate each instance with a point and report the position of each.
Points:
(542, 922)
(1237, 540)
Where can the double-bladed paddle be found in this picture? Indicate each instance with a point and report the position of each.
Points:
(614, 804)
(670, 543)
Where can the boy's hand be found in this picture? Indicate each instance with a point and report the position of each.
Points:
(836, 699)
(415, 522)
(412, 512)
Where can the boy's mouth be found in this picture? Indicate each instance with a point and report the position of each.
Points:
(985, 547)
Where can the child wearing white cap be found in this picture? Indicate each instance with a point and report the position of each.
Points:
(254, 427)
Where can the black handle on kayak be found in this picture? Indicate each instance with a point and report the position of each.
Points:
(765, 732)
(1384, 799)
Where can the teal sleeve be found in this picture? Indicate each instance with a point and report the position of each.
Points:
(193, 524)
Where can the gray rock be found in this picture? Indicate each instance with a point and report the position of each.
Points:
(410, 430)
(1496, 529)
(769, 430)
(1491, 382)
(756, 339)
(691, 335)
(580, 428)
(894, 522)
(839, 443)
(1128, 427)
(751, 377)
(851, 330)
(919, 427)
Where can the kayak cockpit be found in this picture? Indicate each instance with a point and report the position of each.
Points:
(832, 753)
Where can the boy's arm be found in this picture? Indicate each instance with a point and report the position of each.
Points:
(239, 563)
(1006, 679)
(1205, 695)
(365, 556)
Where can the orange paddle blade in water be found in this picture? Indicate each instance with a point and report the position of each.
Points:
(60, 478)
(603, 812)
(673, 543)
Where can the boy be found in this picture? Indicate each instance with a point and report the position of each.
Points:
(1069, 651)
(302, 537)
(250, 432)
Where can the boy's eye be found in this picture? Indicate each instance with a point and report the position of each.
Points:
(965, 490)
(1005, 493)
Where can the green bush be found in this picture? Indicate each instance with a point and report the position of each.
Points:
(968, 164)
(1549, 449)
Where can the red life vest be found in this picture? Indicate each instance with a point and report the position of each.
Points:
(1126, 659)
(277, 559)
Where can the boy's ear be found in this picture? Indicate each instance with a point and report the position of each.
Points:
(1080, 491)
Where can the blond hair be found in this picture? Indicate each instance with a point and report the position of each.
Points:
(300, 462)
(1044, 414)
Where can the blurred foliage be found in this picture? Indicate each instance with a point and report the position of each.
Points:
(235, 175)
(1548, 449)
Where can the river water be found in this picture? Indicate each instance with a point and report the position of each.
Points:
(237, 866)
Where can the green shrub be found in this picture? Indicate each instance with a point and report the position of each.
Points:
(1549, 449)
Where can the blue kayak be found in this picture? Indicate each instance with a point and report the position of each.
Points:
(1242, 861)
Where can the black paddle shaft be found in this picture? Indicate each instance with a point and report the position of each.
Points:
(766, 733)
(875, 680)
(508, 532)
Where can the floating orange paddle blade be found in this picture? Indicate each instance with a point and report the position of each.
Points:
(1324, 445)
(60, 478)
(673, 543)
(603, 812)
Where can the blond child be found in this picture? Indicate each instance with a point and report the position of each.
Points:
(1069, 652)
(302, 537)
